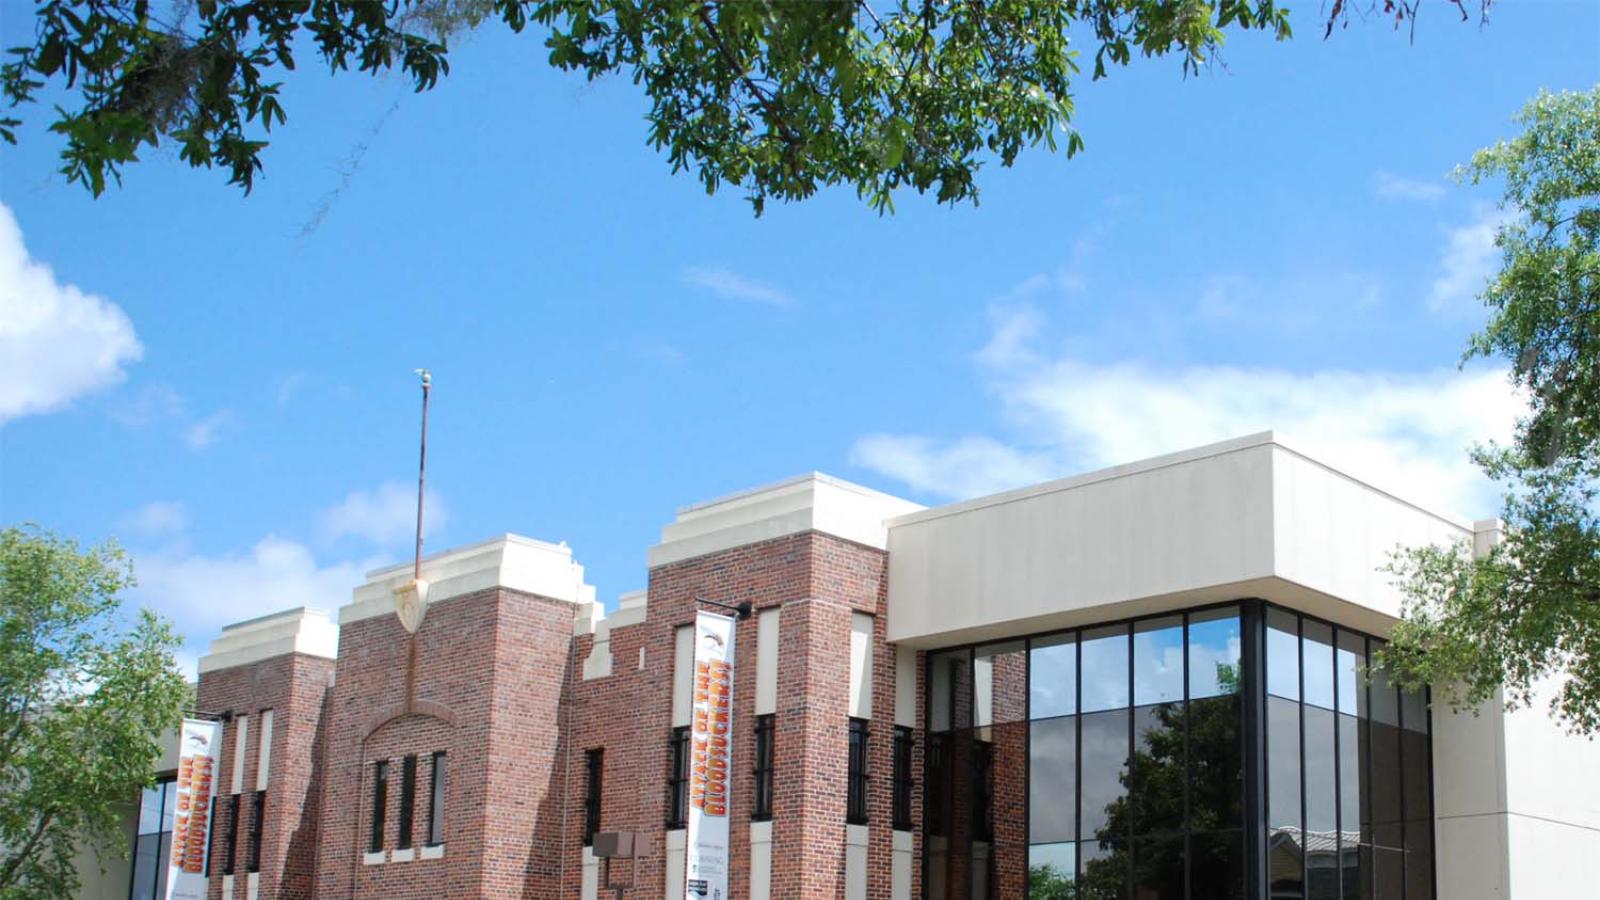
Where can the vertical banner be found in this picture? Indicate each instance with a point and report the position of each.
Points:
(711, 752)
(199, 745)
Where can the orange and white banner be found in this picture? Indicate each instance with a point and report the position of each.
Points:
(199, 746)
(711, 757)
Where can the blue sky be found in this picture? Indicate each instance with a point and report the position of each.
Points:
(225, 383)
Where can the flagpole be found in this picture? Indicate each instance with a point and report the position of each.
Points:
(422, 469)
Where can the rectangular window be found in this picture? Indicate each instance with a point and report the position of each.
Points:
(257, 816)
(856, 798)
(380, 803)
(591, 799)
(763, 772)
(902, 777)
(233, 835)
(436, 804)
(152, 845)
(678, 779)
(408, 797)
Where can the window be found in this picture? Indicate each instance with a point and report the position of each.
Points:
(152, 844)
(983, 791)
(257, 815)
(380, 803)
(903, 780)
(762, 809)
(436, 804)
(678, 779)
(233, 835)
(408, 797)
(856, 795)
(595, 766)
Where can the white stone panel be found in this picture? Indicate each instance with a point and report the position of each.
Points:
(682, 675)
(905, 687)
(900, 867)
(241, 732)
(861, 665)
(855, 862)
(264, 743)
(767, 645)
(760, 860)
(589, 889)
(675, 848)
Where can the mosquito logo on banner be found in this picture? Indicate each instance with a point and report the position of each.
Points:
(711, 750)
(198, 746)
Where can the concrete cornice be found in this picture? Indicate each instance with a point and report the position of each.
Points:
(810, 502)
(510, 561)
(299, 630)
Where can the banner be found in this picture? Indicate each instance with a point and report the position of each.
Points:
(710, 761)
(199, 744)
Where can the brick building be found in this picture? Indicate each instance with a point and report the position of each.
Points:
(1143, 682)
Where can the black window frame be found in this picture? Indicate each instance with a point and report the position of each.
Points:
(231, 858)
(436, 799)
(904, 779)
(857, 776)
(678, 778)
(258, 815)
(380, 806)
(761, 794)
(594, 767)
(408, 800)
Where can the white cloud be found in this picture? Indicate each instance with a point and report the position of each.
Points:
(162, 517)
(57, 343)
(1390, 186)
(383, 517)
(732, 286)
(1402, 431)
(203, 433)
(1469, 259)
(202, 593)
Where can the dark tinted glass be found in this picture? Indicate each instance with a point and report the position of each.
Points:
(1103, 870)
(1352, 775)
(1156, 776)
(1283, 763)
(1000, 683)
(1214, 644)
(1053, 676)
(1419, 875)
(436, 805)
(1158, 868)
(1357, 875)
(1104, 676)
(1053, 755)
(949, 690)
(1283, 654)
(1158, 660)
(1349, 661)
(1216, 866)
(1318, 662)
(1385, 795)
(1388, 869)
(1052, 871)
(1321, 792)
(1105, 757)
(1216, 764)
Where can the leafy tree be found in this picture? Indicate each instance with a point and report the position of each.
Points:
(83, 702)
(1529, 610)
(778, 97)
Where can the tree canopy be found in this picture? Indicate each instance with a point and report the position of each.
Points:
(1527, 614)
(84, 700)
(778, 97)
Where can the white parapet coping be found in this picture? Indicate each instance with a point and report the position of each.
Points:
(510, 561)
(298, 630)
(810, 502)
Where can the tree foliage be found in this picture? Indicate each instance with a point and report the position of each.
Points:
(1528, 612)
(778, 97)
(83, 702)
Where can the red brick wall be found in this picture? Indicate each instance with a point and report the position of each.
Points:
(294, 686)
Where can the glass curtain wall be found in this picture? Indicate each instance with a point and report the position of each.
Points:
(153, 841)
(1349, 771)
(1109, 762)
